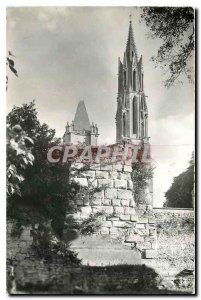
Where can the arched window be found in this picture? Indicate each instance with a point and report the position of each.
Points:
(125, 104)
(142, 129)
(124, 78)
(142, 124)
(134, 118)
(134, 80)
(142, 82)
(124, 125)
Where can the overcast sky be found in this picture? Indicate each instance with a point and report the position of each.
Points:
(64, 55)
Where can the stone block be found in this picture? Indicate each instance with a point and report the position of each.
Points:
(125, 202)
(105, 183)
(132, 203)
(105, 231)
(140, 226)
(142, 231)
(96, 202)
(124, 217)
(134, 218)
(143, 245)
(151, 239)
(143, 220)
(107, 224)
(102, 175)
(152, 221)
(120, 224)
(117, 167)
(150, 253)
(99, 194)
(105, 209)
(110, 193)
(129, 185)
(112, 218)
(81, 181)
(118, 210)
(116, 202)
(88, 174)
(106, 167)
(85, 210)
(92, 182)
(125, 176)
(113, 175)
(124, 194)
(127, 169)
(121, 184)
(95, 167)
(134, 238)
(129, 211)
(151, 226)
(106, 202)
(154, 245)
(77, 166)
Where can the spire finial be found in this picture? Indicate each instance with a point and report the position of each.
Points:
(130, 17)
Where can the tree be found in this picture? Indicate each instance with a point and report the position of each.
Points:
(45, 190)
(18, 145)
(175, 27)
(180, 194)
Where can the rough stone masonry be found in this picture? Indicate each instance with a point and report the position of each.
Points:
(113, 196)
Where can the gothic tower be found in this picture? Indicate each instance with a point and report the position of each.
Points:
(80, 130)
(132, 112)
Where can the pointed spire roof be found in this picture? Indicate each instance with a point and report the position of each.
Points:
(130, 46)
(81, 120)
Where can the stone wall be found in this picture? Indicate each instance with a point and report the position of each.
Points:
(38, 277)
(174, 263)
(18, 244)
(175, 260)
(111, 192)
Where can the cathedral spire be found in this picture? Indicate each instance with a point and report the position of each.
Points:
(132, 111)
(130, 46)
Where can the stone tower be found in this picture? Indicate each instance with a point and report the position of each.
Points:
(80, 130)
(132, 112)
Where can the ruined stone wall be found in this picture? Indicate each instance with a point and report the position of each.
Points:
(18, 244)
(112, 194)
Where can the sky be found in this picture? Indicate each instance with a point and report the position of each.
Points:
(68, 54)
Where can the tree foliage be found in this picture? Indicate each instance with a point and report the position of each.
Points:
(142, 174)
(19, 156)
(11, 64)
(175, 27)
(180, 194)
(45, 190)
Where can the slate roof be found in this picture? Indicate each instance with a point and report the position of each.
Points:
(81, 120)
